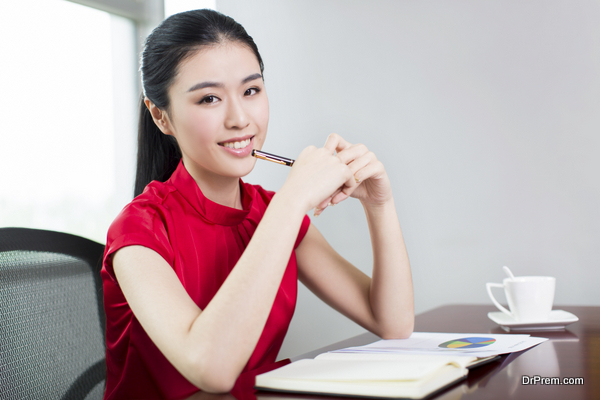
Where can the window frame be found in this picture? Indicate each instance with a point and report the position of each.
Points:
(141, 11)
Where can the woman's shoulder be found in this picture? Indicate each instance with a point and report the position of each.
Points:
(152, 203)
(143, 222)
(155, 192)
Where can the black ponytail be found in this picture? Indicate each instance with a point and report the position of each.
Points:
(158, 154)
(175, 39)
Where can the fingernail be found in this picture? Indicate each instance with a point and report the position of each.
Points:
(357, 180)
(331, 204)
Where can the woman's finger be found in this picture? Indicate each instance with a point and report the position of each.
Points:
(338, 198)
(362, 168)
(352, 153)
(345, 191)
(323, 205)
(335, 143)
(372, 169)
(360, 163)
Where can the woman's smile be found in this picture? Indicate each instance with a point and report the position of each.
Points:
(239, 147)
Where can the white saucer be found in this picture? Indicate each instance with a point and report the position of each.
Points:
(557, 320)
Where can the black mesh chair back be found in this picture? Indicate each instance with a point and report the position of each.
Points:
(52, 343)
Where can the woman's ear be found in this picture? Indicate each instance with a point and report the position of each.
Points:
(160, 117)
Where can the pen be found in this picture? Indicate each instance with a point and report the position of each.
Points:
(272, 157)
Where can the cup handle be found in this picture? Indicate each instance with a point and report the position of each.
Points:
(489, 287)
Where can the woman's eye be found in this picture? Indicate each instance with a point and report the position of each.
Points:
(251, 91)
(209, 99)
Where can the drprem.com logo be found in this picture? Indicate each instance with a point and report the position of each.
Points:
(540, 380)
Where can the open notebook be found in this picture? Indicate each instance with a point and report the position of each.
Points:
(370, 375)
(408, 368)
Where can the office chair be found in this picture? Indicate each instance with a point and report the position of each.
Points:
(52, 322)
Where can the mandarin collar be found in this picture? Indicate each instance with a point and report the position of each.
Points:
(208, 209)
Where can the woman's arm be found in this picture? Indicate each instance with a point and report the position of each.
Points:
(384, 303)
(391, 293)
(210, 347)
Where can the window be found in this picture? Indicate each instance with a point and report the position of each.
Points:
(69, 94)
(176, 6)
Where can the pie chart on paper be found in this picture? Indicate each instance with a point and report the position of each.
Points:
(467, 343)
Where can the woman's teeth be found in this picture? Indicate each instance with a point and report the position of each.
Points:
(237, 145)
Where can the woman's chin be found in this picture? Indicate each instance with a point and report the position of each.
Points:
(242, 169)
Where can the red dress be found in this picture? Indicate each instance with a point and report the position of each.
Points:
(202, 241)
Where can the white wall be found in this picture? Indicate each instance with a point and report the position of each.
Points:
(486, 115)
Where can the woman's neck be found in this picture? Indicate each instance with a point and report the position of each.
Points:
(224, 190)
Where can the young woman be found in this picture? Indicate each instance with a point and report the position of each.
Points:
(200, 272)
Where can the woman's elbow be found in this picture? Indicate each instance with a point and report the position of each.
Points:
(213, 378)
(401, 330)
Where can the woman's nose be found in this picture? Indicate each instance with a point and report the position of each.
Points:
(237, 117)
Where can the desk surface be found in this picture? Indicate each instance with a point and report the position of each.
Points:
(572, 353)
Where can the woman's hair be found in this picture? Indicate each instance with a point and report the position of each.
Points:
(174, 40)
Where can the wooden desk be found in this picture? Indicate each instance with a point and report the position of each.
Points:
(572, 353)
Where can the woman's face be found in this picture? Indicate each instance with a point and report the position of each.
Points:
(219, 111)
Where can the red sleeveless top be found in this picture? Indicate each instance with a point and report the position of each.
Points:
(202, 241)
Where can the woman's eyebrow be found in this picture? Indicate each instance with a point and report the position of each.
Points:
(203, 85)
(206, 84)
(251, 78)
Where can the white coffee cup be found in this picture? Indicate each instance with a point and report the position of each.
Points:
(529, 298)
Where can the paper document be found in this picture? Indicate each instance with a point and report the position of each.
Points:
(455, 344)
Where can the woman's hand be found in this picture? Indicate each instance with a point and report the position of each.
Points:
(328, 175)
(317, 174)
(370, 183)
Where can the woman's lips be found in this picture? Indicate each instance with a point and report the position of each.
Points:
(239, 148)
